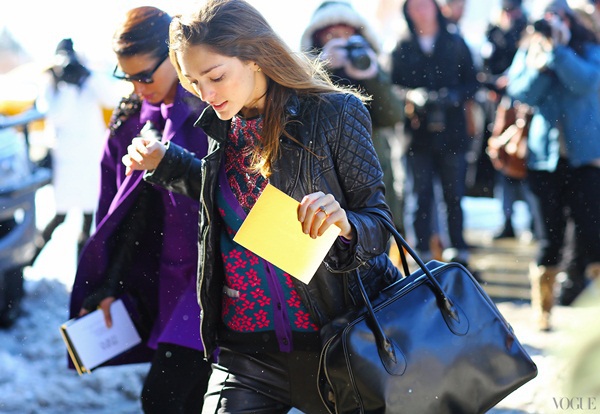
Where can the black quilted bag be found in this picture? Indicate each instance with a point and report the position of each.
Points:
(432, 343)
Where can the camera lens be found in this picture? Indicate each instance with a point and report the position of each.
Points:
(357, 52)
(543, 27)
(359, 58)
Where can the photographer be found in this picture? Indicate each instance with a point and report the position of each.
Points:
(557, 72)
(502, 39)
(344, 40)
(435, 69)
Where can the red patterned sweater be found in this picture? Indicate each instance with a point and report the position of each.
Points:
(261, 310)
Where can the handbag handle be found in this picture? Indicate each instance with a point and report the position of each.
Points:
(390, 354)
(446, 302)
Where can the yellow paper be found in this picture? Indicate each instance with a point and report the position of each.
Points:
(272, 231)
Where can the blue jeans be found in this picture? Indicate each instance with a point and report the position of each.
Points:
(423, 170)
(566, 189)
(513, 190)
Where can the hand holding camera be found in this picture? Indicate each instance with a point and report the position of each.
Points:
(335, 53)
(428, 108)
(354, 55)
(538, 51)
(418, 98)
(548, 33)
(554, 29)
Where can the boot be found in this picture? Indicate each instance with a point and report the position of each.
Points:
(542, 280)
(507, 232)
(571, 285)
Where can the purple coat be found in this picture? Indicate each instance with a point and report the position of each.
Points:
(162, 279)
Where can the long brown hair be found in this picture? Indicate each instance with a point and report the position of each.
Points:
(234, 28)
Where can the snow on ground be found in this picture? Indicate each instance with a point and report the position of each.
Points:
(34, 377)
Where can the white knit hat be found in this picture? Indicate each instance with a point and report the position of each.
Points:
(332, 12)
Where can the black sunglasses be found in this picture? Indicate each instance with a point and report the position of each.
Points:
(142, 77)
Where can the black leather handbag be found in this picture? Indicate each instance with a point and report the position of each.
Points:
(433, 342)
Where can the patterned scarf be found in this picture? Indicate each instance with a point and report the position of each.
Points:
(243, 139)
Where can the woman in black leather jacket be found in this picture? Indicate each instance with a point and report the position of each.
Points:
(276, 118)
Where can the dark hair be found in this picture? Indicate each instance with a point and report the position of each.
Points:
(580, 35)
(442, 21)
(234, 28)
(145, 30)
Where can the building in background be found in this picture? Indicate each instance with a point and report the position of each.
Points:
(12, 53)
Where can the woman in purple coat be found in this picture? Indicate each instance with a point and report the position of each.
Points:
(144, 247)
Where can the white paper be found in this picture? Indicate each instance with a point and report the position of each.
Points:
(94, 342)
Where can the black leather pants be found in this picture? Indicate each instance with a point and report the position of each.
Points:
(262, 383)
(176, 382)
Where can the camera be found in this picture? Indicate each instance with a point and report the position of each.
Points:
(435, 114)
(429, 108)
(357, 48)
(543, 27)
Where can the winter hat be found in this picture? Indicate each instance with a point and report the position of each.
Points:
(556, 6)
(334, 12)
(67, 67)
(553, 6)
(511, 4)
(65, 46)
(541, 7)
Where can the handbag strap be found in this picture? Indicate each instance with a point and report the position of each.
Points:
(390, 353)
(404, 247)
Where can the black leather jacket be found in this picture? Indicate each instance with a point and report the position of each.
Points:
(337, 157)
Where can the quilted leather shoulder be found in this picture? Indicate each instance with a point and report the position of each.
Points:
(345, 123)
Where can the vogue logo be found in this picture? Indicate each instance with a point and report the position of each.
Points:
(575, 403)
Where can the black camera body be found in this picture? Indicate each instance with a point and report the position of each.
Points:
(435, 113)
(357, 52)
(543, 27)
(429, 108)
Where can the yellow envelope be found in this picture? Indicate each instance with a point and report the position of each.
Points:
(272, 231)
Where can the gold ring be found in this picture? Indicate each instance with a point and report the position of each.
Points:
(322, 208)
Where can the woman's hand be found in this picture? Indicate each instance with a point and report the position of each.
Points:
(561, 34)
(143, 154)
(318, 211)
(538, 51)
(105, 306)
(335, 53)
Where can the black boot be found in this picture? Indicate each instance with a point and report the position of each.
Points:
(570, 287)
(507, 232)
